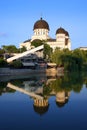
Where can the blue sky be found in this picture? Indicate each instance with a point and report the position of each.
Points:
(17, 18)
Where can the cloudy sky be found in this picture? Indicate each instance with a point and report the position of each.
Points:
(17, 18)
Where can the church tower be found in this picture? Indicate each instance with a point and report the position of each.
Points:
(41, 30)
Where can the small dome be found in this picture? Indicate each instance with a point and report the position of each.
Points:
(61, 104)
(62, 31)
(41, 110)
(66, 33)
(41, 24)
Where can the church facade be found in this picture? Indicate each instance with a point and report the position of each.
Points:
(41, 32)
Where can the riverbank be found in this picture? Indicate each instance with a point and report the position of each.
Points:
(8, 71)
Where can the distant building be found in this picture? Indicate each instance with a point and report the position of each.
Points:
(83, 48)
(41, 32)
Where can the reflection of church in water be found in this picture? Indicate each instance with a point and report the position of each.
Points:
(41, 102)
(41, 106)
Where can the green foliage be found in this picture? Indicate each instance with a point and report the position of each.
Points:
(68, 82)
(10, 49)
(4, 88)
(46, 89)
(16, 64)
(1, 51)
(20, 50)
(3, 85)
(47, 51)
(17, 82)
(23, 49)
(37, 43)
(71, 60)
(3, 63)
(56, 56)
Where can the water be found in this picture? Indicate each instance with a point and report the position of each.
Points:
(41, 102)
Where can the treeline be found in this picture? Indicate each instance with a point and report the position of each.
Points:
(11, 49)
(68, 82)
(6, 52)
(75, 60)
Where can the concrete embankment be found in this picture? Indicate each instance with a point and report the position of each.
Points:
(8, 71)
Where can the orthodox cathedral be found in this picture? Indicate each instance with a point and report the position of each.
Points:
(41, 32)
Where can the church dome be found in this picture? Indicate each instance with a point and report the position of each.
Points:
(41, 110)
(41, 24)
(62, 31)
(66, 33)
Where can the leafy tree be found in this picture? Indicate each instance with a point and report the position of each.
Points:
(3, 63)
(37, 43)
(2, 51)
(10, 49)
(23, 49)
(71, 60)
(57, 57)
(68, 82)
(47, 51)
(16, 64)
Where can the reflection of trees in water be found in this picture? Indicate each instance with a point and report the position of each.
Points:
(31, 82)
(19, 82)
(60, 87)
(4, 89)
(68, 82)
(84, 75)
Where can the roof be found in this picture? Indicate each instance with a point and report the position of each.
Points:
(41, 24)
(51, 40)
(62, 31)
(41, 110)
(66, 33)
(27, 41)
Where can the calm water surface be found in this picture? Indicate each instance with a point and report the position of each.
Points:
(41, 102)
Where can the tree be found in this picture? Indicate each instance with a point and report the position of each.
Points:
(56, 56)
(71, 60)
(10, 49)
(3, 63)
(1, 51)
(16, 64)
(37, 43)
(47, 51)
(23, 49)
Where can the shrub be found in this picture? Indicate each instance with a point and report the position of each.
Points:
(16, 64)
(3, 63)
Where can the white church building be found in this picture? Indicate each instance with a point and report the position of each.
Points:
(41, 32)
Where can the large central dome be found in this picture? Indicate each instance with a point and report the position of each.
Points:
(41, 24)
